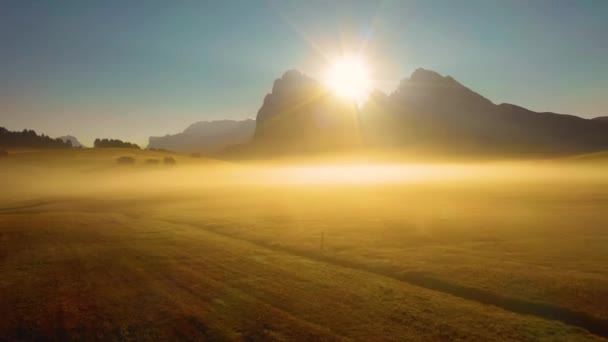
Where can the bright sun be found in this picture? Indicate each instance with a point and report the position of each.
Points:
(349, 78)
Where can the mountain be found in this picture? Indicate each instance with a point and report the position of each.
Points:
(427, 111)
(301, 115)
(29, 139)
(431, 110)
(206, 136)
(72, 140)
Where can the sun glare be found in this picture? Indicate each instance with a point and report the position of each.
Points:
(349, 78)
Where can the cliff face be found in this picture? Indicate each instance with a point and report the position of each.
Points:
(301, 115)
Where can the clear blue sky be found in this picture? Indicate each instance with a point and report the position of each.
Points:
(130, 69)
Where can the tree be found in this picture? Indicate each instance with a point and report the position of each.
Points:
(169, 161)
(115, 143)
(125, 160)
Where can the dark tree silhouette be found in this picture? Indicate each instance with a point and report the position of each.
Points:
(29, 138)
(105, 143)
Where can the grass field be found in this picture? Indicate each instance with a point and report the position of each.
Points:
(219, 251)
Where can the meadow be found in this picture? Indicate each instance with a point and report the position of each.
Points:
(213, 250)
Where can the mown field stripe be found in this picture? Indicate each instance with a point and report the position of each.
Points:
(538, 309)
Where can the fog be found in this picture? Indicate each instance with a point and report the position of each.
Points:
(83, 173)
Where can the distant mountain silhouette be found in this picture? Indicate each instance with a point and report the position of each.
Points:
(428, 109)
(206, 136)
(29, 139)
(300, 115)
(72, 140)
(113, 143)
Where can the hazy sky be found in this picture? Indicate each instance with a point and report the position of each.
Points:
(130, 69)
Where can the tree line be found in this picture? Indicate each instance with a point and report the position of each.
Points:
(102, 143)
(29, 138)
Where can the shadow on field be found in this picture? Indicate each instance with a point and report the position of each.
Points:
(25, 208)
(539, 309)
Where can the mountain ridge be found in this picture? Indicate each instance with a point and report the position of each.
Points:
(206, 136)
(431, 109)
(426, 110)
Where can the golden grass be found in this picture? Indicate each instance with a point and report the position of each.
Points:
(203, 250)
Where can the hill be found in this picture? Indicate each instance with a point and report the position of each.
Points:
(206, 136)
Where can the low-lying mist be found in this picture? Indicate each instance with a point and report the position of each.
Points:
(41, 174)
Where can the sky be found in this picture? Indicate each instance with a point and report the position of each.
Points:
(132, 69)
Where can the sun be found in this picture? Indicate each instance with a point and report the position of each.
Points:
(349, 78)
